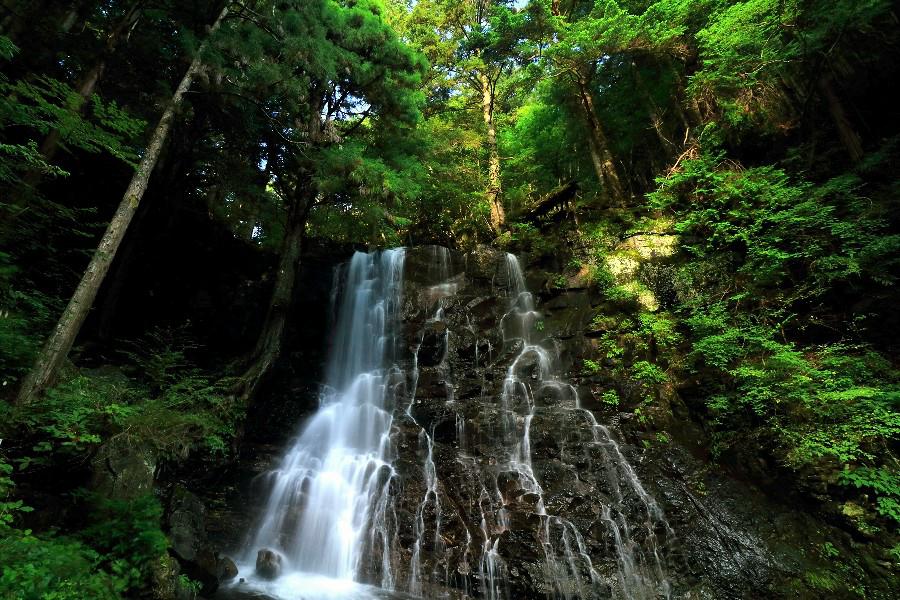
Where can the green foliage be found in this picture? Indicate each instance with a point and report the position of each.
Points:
(647, 372)
(9, 507)
(109, 558)
(661, 328)
(815, 405)
(176, 409)
(52, 568)
(610, 398)
(339, 92)
(540, 140)
(592, 366)
(525, 235)
(799, 238)
(186, 583)
(881, 481)
(749, 48)
(44, 104)
(127, 535)
(778, 246)
(23, 314)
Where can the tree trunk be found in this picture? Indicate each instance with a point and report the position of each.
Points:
(271, 337)
(601, 157)
(498, 215)
(50, 360)
(849, 138)
(269, 342)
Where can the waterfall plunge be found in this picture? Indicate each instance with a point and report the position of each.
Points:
(328, 504)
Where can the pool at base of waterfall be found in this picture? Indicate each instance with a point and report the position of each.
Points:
(300, 586)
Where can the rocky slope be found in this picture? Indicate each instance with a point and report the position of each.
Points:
(513, 479)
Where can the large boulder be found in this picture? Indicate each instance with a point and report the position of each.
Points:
(185, 522)
(268, 563)
(123, 470)
(226, 570)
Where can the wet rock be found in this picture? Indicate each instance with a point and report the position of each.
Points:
(204, 570)
(434, 344)
(483, 264)
(432, 384)
(185, 521)
(123, 470)
(719, 539)
(226, 570)
(268, 564)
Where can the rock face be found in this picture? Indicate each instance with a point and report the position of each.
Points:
(506, 486)
(122, 471)
(511, 480)
(185, 521)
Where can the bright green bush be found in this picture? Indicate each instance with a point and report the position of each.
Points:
(766, 252)
(175, 409)
(54, 568)
(128, 537)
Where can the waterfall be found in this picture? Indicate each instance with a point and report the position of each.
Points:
(329, 507)
(568, 569)
(371, 490)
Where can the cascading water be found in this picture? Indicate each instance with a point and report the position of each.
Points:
(329, 506)
(568, 569)
(371, 490)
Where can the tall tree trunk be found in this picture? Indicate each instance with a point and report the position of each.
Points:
(601, 157)
(271, 337)
(50, 360)
(498, 215)
(849, 138)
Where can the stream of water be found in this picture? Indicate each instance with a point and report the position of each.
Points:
(331, 515)
(329, 496)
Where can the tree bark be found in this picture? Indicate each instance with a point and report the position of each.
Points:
(559, 197)
(601, 157)
(498, 215)
(50, 360)
(271, 337)
(849, 138)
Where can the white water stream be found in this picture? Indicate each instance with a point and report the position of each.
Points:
(568, 569)
(330, 516)
(329, 496)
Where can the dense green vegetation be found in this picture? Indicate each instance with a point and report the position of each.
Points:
(721, 172)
